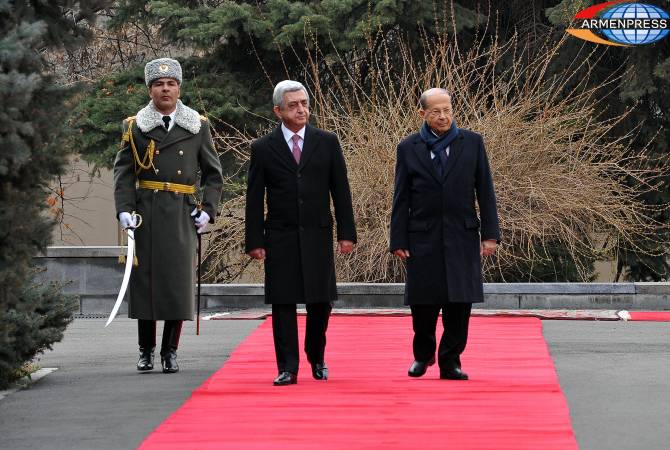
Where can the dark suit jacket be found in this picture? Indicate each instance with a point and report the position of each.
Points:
(297, 232)
(436, 220)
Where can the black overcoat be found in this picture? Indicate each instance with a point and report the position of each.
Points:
(436, 220)
(297, 232)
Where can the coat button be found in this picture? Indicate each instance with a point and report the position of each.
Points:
(158, 152)
(179, 172)
(181, 153)
(300, 201)
(299, 175)
(302, 228)
(157, 170)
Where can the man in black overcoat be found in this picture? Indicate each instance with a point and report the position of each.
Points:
(298, 168)
(440, 172)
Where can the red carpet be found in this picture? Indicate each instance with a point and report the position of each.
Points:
(650, 316)
(512, 401)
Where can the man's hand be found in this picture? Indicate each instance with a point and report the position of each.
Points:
(257, 253)
(201, 220)
(488, 247)
(344, 247)
(126, 220)
(401, 253)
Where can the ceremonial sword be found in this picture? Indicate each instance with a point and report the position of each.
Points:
(129, 266)
(197, 326)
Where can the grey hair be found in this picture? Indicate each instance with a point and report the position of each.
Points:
(423, 100)
(287, 86)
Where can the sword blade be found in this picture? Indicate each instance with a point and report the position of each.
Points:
(126, 276)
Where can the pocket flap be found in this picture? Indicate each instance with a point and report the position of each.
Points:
(418, 226)
(325, 221)
(273, 225)
(472, 223)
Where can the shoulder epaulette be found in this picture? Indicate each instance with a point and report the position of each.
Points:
(127, 129)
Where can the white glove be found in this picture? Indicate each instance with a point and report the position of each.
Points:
(126, 220)
(201, 220)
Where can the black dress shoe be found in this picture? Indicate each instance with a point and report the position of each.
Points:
(453, 373)
(169, 362)
(146, 361)
(285, 378)
(320, 371)
(418, 368)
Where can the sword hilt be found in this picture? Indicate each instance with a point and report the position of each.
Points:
(138, 219)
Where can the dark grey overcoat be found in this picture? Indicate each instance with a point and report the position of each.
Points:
(162, 285)
(436, 220)
(297, 232)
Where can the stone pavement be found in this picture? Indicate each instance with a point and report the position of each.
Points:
(97, 400)
(615, 375)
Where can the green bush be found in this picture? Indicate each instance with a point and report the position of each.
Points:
(32, 325)
(32, 120)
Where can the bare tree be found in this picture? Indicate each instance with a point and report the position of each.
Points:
(558, 168)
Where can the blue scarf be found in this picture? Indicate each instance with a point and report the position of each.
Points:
(437, 144)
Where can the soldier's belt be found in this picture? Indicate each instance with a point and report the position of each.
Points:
(165, 186)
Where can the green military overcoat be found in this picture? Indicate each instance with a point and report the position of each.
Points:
(162, 285)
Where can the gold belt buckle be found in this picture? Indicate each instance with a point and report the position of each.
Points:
(166, 186)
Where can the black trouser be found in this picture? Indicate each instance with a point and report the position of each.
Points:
(455, 319)
(146, 332)
(285, 333)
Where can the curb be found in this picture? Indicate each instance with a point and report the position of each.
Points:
(546, 314)
(27, 381)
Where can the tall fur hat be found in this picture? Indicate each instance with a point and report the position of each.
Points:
(162, 68)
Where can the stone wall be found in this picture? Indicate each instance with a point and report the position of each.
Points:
(94, 274)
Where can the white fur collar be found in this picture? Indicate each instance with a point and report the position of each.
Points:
(148, 118)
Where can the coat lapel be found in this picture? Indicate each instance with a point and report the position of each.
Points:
(176, 134)
(423, 155)
(157, 134)
(279, 145)
(309, 146)
(455, 150)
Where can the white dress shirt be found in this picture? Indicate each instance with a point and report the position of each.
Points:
(172, 116)
(288, 137)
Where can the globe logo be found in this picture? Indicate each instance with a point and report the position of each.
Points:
(621, 24)
(635, 36)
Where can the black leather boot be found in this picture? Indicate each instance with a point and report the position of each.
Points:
(169, 362)
(146, 334)
(169, 344)
(146, 361)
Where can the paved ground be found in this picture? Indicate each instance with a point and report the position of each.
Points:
(616, 376)
(96, 400)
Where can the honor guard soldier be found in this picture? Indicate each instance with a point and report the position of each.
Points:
(166, 148)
